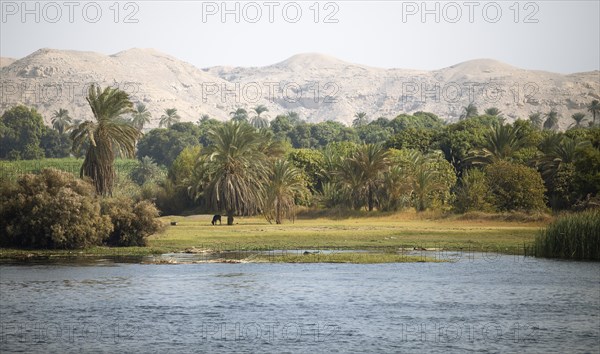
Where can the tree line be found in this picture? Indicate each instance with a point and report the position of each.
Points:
(251, 165)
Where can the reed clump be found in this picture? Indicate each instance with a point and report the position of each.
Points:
(571, 236)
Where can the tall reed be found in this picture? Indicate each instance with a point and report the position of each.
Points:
(571, 236)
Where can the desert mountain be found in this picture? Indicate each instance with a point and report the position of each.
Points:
(317, 86)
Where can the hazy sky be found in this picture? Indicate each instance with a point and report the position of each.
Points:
(560, 36)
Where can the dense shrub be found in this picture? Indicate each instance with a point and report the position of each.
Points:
(515, 187)
(56, 210)
(472, 192)
(132, 221)
(51, 210)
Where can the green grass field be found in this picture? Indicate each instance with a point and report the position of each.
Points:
(384, 234)
(402, 230)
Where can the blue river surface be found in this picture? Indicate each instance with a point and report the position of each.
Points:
(495, 304)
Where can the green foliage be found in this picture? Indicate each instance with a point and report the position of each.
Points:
(311, 163)
(147, 170)
(515, 187)
(55, 144)
(164, 145)
(51, 210)
(472, 192)
(413, 138)
(169, 118)
(571, 236)
(132, 221)
(21, 129)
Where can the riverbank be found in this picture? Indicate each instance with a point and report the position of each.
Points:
(385, 233)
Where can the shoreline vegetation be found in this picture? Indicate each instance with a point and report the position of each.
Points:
(387, 237)
(380, 188)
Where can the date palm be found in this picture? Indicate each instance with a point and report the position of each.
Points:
(235, 170)
(594, 109)
(169, 118)
(239, 115)
(551, 120)
(494, 112)
(105, 137)
(469, 111)
(285, 182)
(371, 160)
(360, 119)
(500, 143)
(61, 121)
(578, 118)
(257, 121)
(140, 116)
(536, 119)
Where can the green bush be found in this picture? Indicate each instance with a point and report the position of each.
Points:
(51, 210)
(572, 236)
(472, 192)
(132, 221)
(515, 187)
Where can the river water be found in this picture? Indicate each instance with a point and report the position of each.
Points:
(479, 303)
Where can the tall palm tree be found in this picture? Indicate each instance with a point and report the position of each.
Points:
(397, 188)
(551, 119)
(536, 119)
(578, 118)
(169, 118)
(235, 169)
(425, 180)
(140, 116)
(257, 121)
(61, 121)
(469, 111)
(360, 119)
(285, 182)
(260, 109)
(239, 115)
(500, 142)
(594, 109)
(107, 135)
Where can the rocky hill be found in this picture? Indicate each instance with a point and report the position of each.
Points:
(319, 87)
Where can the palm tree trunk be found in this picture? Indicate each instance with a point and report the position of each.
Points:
(370, 197)
(229, 217)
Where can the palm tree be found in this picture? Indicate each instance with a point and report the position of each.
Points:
(594, 109)
(259, 122)
(397, 188)
(551, 120)
(61, 120)
(360, 119)
(169, 118)
(494, 112)
(500, 142)
(203, 118)
(235, 170)
(260, 109)
(578, 118)
(536, 119)
(370, 161)
(285, 183)
(107, 135)
(146, 170)
(239, 115)
(140, 116)
(425, 180)
(469, 111)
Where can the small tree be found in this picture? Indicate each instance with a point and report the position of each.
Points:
(515, 187)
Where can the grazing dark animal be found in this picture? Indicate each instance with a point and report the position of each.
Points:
(173, 223)
(215, 219)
